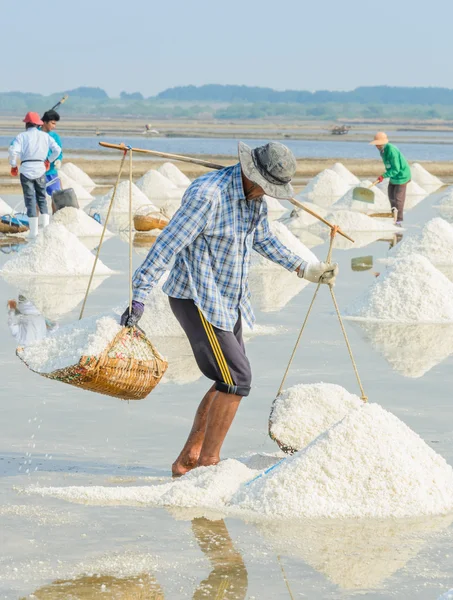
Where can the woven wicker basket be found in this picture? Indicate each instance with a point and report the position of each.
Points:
(10, 228)
(286, 449)
(149, 222)
(144, 240)
(129, 368)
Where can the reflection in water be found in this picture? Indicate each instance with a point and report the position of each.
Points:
(26, 323)
(140, 587)
(355, 555)
(228, 578)
(411, 350)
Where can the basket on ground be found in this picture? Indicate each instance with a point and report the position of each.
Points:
(146, 219)
(129, 368)
(13, 224)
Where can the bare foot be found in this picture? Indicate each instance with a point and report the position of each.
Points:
(184, 464)
(208, 461)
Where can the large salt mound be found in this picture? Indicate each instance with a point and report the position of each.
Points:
(5, 208)
(304, 411)
(175, 175)
(345, 173)
(324, 189)
(381, 202)
(121, 202)
(434, 241)
(67, 182)
(287, 239)
(411, 291)
(88, 337)
(368, 465)
(55, 252)
(79, 223)
(424, 178)
(349, 220)
(300, 219)
(158, 188)
(273, 205)
(78, 175)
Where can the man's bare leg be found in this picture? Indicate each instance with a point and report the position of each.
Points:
(221, 414)
(188, 457)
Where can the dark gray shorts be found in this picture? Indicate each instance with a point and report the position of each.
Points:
(220, 355)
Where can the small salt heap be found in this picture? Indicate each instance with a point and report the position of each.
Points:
(381, 202)
(78, 175)
(175, 175)
(324, 189)
(79, 223)
(412, 290)
(434, 241)
(121, 202)
(369, 465)
(287, 239)
(55, 252)
(88, 337)
(300, 219)
(5, 208)
(304, 411)
(345, 173)
(424, 178)
(349, 220)
(67, 182)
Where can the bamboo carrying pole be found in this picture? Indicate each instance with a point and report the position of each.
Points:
(209, 165)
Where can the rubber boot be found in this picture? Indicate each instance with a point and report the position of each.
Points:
(43, 221)
(33, 225)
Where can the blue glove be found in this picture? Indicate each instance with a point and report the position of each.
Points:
(131, 320)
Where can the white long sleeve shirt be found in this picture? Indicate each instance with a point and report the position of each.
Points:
(27, 324)
(33, 145)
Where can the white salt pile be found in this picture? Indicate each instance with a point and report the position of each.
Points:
(121, 202)
(304, 411)
(78, 175)
(79, 223)
(324, 189)
(158, 188)
(273, 205)
(5, 208)
(412, 290)
(81, 193)
(88, 337)
(446, 200)
(381, 202)
(349, 220)
(424, 178)
(287, 239)
(370, 464)
(345, 173)
(434, 241)
(175, 175)
(300, 219)
(273, 289)
(55, 252)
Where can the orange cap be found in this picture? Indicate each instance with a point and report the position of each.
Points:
(380, 139)
(33, 118)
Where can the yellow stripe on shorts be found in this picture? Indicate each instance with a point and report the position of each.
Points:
(217, 350)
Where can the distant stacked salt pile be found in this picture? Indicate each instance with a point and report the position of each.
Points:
(434, 242)
(381, 202)
(324, 189)
(369, 465)
(300, 219)
(304, 411)
(121, 202)
(424, 178)
(345, 173)
(175, 175)
(411, 291)
(79, 223)
(349, 220)
(83, 195)
(55, 252)
(5, 208)
(78, 175)
(161, 191)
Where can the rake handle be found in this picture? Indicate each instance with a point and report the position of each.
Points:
(209, 165)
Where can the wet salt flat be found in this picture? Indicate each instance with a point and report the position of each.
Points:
(56, 435)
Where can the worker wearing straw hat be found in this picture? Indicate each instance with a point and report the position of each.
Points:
(397, 170)
(222, 218)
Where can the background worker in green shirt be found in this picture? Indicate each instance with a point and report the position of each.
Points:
(398, 170)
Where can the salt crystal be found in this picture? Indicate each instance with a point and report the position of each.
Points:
(79, 223)
(412, 290)
(175, 175)
(287, 239)
(434, 241)
(345, 173)
(324, 189)
(380, 204)
(423, 177)
(5, 208)
(304, 411)
(121, 202)
(55, 252)
(78, 175)
(349, 220)
(67, 182)
(370, 464)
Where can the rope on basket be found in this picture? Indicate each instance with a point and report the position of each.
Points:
(364, 397)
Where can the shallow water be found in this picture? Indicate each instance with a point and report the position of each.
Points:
(52, 434)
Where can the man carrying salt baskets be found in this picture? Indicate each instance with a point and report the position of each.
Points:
(397, 170)
(221, 219)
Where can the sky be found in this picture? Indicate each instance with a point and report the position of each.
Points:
(148, 46)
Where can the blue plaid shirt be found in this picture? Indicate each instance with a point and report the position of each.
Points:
(211, 237)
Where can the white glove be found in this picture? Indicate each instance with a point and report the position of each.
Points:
(320, 272)
(57, 164)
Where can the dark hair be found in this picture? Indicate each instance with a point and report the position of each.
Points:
(30, 125)
(50, 115)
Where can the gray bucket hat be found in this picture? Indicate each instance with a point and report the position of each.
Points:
(271, 166)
